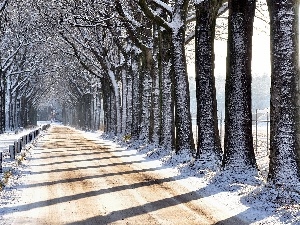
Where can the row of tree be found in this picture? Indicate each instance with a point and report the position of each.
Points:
(130, 55)
(35, 68)
(141, 51)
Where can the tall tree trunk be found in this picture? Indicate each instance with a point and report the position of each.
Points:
(167, 139)
(7, 104)
(136, 97)
(238, 143)
(285, 126)
(98, 110)
(209, 145)
(2, 101)
(106, 106)
(156, 93)
(32, 115)
(183, 121)
(11, 111)
(124, 101)
(129, 98)
(115, 99)
(146, 75)
(23, 111)
(114, 116)
(87, 111)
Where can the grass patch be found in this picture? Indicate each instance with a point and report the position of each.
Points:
(127, 138)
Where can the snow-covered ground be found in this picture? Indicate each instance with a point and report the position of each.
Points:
(252, 200)
(13, 170)
(7, 139)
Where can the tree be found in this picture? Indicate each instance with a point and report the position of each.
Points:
(96, 50)
(145, 36)
(167, 138)
(238, 142)
(176, 26)
(3, 5)
(209, 145)
(284, 104)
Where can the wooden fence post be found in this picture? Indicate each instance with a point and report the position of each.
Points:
(16, 144)
(12, 152)
(19, 146)
(23, 141)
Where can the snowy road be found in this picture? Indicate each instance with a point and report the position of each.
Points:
(74, 180)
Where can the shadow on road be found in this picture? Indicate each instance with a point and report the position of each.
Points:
(104, 166)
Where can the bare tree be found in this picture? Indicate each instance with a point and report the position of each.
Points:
(238, 142)
(209, 145)
(175, 24)
(284, 144)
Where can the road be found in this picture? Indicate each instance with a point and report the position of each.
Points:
(75, 180)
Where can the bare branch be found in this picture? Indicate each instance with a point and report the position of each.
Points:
(149, 12)
(3, 5)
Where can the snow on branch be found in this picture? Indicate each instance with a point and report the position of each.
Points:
(164, 6)
(189, 37)
(126, 17)
(20, 72)
(20, 85)
(77, 54)
(196, 2)
(129, 27)
(92, 24)
(7, 62)
(261, 16)
(152, 15)
(2, 5)
(223, 9)
(190, 19)
(131, 20)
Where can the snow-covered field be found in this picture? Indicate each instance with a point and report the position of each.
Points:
(252, 200)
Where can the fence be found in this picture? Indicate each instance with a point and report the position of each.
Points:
(260, 128)
(19, 144)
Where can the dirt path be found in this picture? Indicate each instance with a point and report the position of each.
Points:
(74, 180)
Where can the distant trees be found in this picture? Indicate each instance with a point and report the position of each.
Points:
(15, 70)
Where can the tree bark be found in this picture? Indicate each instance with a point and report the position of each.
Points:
(183, 124)
(124, 101)
(2, 101)
(146, 98)
(209, 145)
(156, 90)
(129, 99)
(167, 139)
(238, 142)
(136, 97)
(284, 115)
(183, 121)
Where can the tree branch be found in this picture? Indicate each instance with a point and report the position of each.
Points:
(3, 5)
(149, 13)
